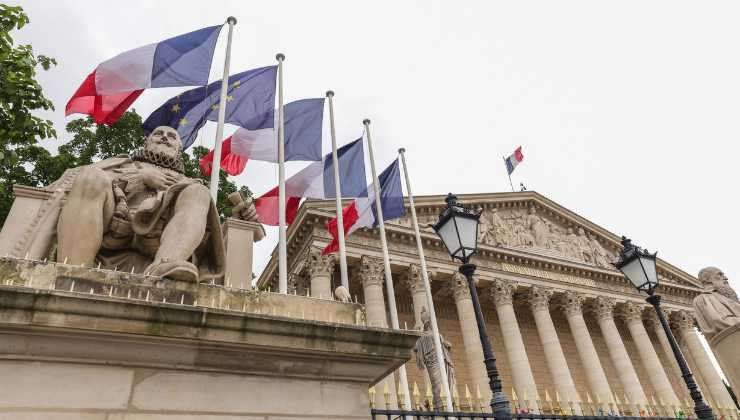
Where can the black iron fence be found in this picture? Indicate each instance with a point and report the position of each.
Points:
(378, 414)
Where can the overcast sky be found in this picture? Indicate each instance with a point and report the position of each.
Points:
(626, 111)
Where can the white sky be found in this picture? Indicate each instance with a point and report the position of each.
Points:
(627, 112)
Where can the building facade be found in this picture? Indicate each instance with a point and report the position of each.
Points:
(566, 327)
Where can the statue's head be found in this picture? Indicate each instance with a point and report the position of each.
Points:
(165, 141)
(426, 319)
(712, 278)
(581, 232)
(532, 210)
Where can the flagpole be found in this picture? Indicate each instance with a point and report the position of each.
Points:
(216, 166)
(283, 240)
(338, 194)
(427, 286)
(507, 173)
(390, 290)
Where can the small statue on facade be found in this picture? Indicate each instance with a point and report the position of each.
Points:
(717, 307)
(426, 359)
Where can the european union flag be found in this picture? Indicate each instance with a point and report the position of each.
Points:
(250, 103)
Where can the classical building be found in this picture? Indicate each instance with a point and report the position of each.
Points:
(564, 324)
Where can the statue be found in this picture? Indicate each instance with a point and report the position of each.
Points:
(536, 225)
(717, 308)
(426, 359)
(601, 256)
(136, 213)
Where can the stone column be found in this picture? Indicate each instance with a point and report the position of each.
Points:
(372, 276)
(586, 351)
(672, 370)
(521, 372)
(539, 302)
(604, 309)
(650, 362)
(319, 269)
(714, 385)
(415, 283)
(470, 335)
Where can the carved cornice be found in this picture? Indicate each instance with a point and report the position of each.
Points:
(632, 312)
(319, 265)
(371, 271)
(414, 281)
(539, 298)
(459, 285)
(604, 308)
(573, 303)
(502, 291)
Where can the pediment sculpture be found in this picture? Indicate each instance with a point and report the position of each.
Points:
(528, 229)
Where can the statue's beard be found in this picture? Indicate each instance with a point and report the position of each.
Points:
(726, 291)
(160, 155)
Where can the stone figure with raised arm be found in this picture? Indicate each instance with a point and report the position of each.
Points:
(136, 213)
(426, 359)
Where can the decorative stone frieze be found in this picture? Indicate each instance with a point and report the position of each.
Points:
(604, 307)
(502, 291)
(539, 298)
(573, 303)
(459, 285)
(371, 271)
(318, 264)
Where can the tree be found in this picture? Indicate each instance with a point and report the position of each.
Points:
(20, 96)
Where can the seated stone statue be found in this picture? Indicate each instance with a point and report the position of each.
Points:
(717, 307)
(137, 212)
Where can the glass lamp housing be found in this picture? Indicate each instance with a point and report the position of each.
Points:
(458, 229)
(638, 265)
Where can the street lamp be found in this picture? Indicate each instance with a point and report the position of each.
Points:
(458, 229)
(638, 265)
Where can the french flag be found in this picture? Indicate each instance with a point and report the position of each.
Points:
(515, 159)
(303, 124)
(115, 84)
(317, 181)
(362, 213)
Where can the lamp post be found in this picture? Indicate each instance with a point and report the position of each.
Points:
(458, 229)
(638, 265)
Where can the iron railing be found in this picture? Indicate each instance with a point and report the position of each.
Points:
(378, 414)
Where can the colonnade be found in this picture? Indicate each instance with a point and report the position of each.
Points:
(574, 305)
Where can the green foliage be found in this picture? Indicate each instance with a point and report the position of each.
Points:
(20, 96)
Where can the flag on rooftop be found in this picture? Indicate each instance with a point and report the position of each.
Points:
(303, 124)
(317, 181)
(115, 84)
(250, 103)
(515, 159)
(362, 213)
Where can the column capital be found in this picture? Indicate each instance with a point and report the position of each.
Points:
(502, 291)
(539, 298)
(371, 271)
(459, 285)
(683, 320)
(632, 312)
(318, 264)
(604, 307)
(573, 303)
(414, 281)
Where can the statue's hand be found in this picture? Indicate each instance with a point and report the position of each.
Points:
(156, 179)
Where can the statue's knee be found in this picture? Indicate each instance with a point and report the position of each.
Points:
(196, 194)
(92, 183)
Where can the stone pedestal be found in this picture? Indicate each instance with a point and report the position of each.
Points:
(107, 351)
(239, 238)
(726, 345)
